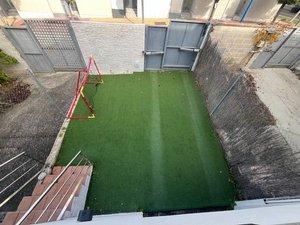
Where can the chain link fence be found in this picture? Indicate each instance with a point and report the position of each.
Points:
(261, 161)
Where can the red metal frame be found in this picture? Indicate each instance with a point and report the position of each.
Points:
(80, 86)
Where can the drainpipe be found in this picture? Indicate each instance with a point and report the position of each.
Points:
(143, 16)
(201, 46)
(213, 10)
(208, 29)
(246, 9)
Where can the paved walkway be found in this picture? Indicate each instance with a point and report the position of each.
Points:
(279, 89)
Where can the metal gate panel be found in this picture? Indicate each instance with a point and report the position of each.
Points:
(57, 39)
(182, 44)
(29, 49)
(288, 53)
(154, 47)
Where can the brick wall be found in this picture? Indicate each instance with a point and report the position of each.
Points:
(117, 48)
(234, 42)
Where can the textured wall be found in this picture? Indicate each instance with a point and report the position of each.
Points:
(260, 159)
(117, 48)
(6, 45)
(234, 42)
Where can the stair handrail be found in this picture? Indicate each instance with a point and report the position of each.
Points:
(16, 169)
(15, 157)
(57, 193)
(19, 222)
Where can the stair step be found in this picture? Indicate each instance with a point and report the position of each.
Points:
(73, 174)
(57, 169)
(10, 218)
(25, 203)
(39, 189)
(49, 179)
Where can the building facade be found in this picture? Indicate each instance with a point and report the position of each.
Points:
(240, 10)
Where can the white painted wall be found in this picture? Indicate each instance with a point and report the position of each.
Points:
(38, 8)
(117, 48)
(117, 4)
(262, 11)
(229, 9)
(286, 214)
(94, 8)
(154, 8)
(176, 6)
(202, 9)
(226, 9)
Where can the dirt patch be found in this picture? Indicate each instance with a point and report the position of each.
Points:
(13, 93)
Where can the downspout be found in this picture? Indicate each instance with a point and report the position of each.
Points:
(246, 10)
(201, 46)
(209, 27)
(143, 16)
(213, 10)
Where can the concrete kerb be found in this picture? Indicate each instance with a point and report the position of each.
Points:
(51, 159)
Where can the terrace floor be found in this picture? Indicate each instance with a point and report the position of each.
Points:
(152, 145)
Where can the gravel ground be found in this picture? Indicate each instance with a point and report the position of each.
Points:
(32, 126)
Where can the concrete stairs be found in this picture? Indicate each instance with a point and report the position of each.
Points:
(68, 194)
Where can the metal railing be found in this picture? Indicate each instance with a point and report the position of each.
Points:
(83, 161)
(16, 174)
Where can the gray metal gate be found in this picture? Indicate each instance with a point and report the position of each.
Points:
(29, 49)
(173, 47)
(182, 44)
(155, 45)
(58, 41)
(283, 53)
(288, 53)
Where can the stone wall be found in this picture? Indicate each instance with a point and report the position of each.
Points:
(261, 161)
(117, 48)
(234, 42)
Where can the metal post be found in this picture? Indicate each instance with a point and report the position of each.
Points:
(213, 10)
(297, 14)
(201, 46)
(143, 18)
(227, 92)
(246, 10)
(46, 191)
(19, 189)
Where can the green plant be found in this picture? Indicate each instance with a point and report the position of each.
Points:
(6, 59)
(4, 78)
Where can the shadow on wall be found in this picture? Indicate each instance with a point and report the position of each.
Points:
(202, 9)
(263, 11)
(226, 9)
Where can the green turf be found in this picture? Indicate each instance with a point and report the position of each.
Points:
(152, 145)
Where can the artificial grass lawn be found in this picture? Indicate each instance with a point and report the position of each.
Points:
(152, 145)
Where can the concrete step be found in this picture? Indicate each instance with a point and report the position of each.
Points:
(52, 201)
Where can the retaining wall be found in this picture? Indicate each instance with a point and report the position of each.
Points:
(235, 42)
(117, 48)
(259, 157)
